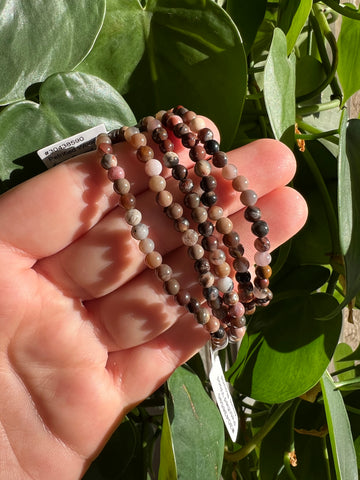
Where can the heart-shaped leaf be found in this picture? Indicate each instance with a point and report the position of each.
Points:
(40, 38)
(171, 52)
(69, 103)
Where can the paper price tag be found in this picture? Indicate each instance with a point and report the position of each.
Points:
(223, 398)
(70, 147)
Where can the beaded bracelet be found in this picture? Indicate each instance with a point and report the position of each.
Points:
(190, 129)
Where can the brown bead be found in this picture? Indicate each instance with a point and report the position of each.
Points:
(189, 140)
(219, 159)
(263, 272)
(153, 259)
(188, 116)
(159, 135)
(186, 185)
(210, 243)
(121, 186)
(181, 224)
(128, 201)
(166, 146)
(217, 257)
(194, 305)
(157, 183)
(262, 244)
(205, 134)
(231, 298)
(231, 239)
(202, 265)
(172, 286)
(241, 264)
(192, 200)
(174, 211)
(261, 282)
(206, 280)
(215, 212)
(220, 313)
(196, 252)
(237, 251)
(197, 153)
(183, 297)
(202, 316)
(181, 129)
(224, 225)
(145, 153)
(222, 270)
(138, 140)
(199, 214)
(202, 168)
(164, 198)
(163, 272)
(179, 172)
(212, 325)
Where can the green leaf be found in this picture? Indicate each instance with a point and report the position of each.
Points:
(286, 349)
(171, 52)
(197, 429)
(69, 103)
(248, 17)
(349, 203)
(349, 56)
(309, 75)
(343, 350)
(167, 468)
(279, 89)
(339, 430)
(292, 18)
(41, 37)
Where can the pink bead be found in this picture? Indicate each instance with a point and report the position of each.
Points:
(152, 124)
(114, 173)
(229, 172)
(153, 167)
(174, 120)
(237, 310)
(262, 259)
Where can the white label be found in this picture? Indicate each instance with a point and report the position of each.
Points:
(223, 397)
(70, 147)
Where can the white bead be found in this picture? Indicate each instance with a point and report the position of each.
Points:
(153, 167)
(146, 245)
(140, 231)
(133, 216)
(225, 284)
(262, 259)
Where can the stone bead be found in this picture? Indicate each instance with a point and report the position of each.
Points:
(208, 199)
(105, 148)
(164, 272)
(174, 211)
(192, 200)
(216, 303)
(206, 228)
(260, 228)
(217, 257)
(157, 183)
(262, 244)
(202, 316)
(153, 167)
(188, 116)
(160, 114)
(197, 153)
(166, 117)
(102, 138)
(211, 146)
(181, 224)
(236, 311)
(246, 295)
(121, 186)
(250, 307)
(166, 146)
(205, 134)
(140, 231)
(202, 168)
(237, 251)
(170, 159)
(224, 225)
(243, 277)
(206, 280)
(261, 282)
(210, 243)
(133, 216)
(220, 333)
(222, 270)
(229, 172)
(202, 265)
(152, 123)
(153, 260)
(213, 324)
(146, 245)
(215, 212)
(236, 334)
(241, 264)
(189, 139)
(183, 297)
(231, 298)
(181, 129)
(127, 201)
(263, 271)
(190, 237)
(129, 132)
(145, 153)
(179, 172)
(225, 284)
(196, 252)
(220, 313)
(173, 120)
(164, 198)
(159, 135)
(220, 159)
(114, 173)
(197, 124)
(186, 185)
(211, 293)
(172, 286)
(199, 214)
(194, 305)
(262, 259)
(138, 140)
(208, 183)
(117, 135)
(248, 198)
(108, 161)
(252, 214)
(260, 293)
(231, 239)
(240, 183)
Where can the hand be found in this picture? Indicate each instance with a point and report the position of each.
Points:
(86, 331)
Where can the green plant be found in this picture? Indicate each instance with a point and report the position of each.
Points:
(258, 69)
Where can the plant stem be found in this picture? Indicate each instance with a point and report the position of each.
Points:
(309, 128)
(326, 457)
(314, 136)
(256, 439)
(318, 107)
(343, 9)
(334, 277)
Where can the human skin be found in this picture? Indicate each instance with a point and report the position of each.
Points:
(86, 330)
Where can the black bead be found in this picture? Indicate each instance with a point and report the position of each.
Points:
(179, 172)
(260, 228)
(243, 277)
(208, 183)
(186, 186)
(211, 147)
(219, 159)
(194, 305)
(208, 199)
(219, 333)
(202, 265)
(252, 214)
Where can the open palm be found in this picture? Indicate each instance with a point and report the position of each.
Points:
(86, 332)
